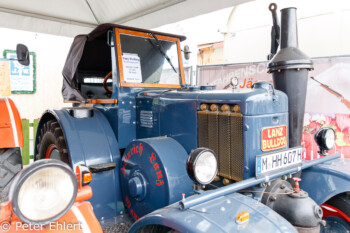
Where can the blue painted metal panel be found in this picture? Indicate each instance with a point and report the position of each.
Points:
(178, 119)
(252, 127)
(218, 215)
(91, 141)
(326, 180)
(111, 113)
(127, 115)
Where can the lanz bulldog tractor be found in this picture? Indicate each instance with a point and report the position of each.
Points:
(178, 158)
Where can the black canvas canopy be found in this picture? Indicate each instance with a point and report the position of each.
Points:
(94, 46)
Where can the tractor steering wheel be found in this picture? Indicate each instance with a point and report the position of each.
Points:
(104, 83)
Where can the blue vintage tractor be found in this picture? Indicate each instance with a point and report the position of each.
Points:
(173, 157)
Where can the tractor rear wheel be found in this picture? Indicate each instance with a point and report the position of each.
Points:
(51, 143)
(10, 165)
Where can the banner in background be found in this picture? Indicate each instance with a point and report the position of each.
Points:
(5, 83)
(326, 105)
(23, 78)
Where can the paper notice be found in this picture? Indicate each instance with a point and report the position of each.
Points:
(132, 68)
(5, 81)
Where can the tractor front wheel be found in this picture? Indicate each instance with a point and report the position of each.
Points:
(51, 143)
(10, 165)
(336, 212)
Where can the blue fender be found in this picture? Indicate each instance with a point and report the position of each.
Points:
(91, 141)
(326, 180)
(218, 215)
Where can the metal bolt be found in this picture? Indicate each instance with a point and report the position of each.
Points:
(282, 186)
(134, 122)
(228, 202)
(284, 177)
(222, 209)
(130, 102)
(121, 212)
(134, 106)
(263, 185)
(273, 198)
(204, 210)
(318, 212)
(290, 176)
(123, 102)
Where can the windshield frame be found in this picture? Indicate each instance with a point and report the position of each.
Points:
(119, 31)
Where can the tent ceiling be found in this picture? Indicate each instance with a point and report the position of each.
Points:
(71, 17)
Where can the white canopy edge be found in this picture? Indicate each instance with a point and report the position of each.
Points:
(171, 12)
(59, 27)
(181, 11)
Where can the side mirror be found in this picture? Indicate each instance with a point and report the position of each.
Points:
(22, 54)
(187, 52)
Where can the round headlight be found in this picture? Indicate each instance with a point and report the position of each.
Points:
(325, 138)
(202, 166)
(43, 192)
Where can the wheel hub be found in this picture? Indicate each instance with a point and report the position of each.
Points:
(52, 152)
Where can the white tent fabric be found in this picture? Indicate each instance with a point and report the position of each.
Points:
(72, 17)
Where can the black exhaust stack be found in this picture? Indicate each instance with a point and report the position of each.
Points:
(289, 68)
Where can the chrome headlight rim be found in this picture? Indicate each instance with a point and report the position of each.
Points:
(27, 172)
(192, 161)
(321, 139)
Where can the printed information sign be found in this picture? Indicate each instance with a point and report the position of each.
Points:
(132, 68)
(22, 77)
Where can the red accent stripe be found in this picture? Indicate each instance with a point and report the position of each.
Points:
(327, 212)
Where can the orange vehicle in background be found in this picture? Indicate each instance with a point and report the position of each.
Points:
(46, 196)
(11, 135)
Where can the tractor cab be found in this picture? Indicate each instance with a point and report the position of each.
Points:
(112, 59)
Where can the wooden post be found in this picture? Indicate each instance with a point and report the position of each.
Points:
(25, 149)
(26, 153)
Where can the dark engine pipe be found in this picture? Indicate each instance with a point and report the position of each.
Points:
(289, 68)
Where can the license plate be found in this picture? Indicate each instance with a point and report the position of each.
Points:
(268, 163)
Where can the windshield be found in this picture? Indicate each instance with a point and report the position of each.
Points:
(149, 60)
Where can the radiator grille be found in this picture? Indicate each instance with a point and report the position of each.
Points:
(223, 133)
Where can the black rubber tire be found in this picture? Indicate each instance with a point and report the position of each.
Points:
(51, 133)
(10, 165)
(156, 229)
(341, 202)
